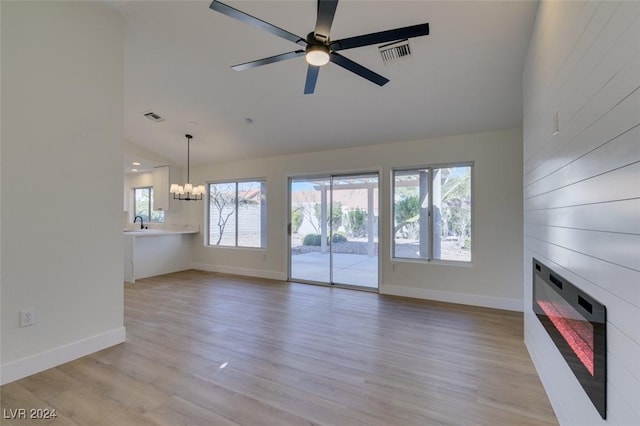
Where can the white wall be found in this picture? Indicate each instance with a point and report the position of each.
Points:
(61, 165)
(135, 152)
(1, 223)
(582, 188)
(493, 279)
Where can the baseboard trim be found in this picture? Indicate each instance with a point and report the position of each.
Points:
(33, 364)
(445, 296)
(234, 270)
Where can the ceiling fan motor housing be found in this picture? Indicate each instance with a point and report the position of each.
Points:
(315, 38)
(317, 51)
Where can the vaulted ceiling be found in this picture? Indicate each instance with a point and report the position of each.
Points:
(463, 77)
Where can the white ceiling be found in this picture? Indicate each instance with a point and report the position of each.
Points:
(463, 77)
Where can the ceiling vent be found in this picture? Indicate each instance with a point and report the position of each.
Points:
(153, 116)
(393, 51)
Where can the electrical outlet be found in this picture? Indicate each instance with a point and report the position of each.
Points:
(27, 317)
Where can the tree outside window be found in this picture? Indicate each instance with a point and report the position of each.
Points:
(237, 214)
(432, 213)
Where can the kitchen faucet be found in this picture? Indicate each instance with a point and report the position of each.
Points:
(141, 221)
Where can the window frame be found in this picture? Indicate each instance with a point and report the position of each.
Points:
(149, 188)
(431, 240)
(263, 214)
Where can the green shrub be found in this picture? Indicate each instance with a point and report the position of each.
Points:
(407, 208)
(339, 238)
(407, 214)
(312, 240)
(296, 219)
(357, 222)
(316, 239)
(334, 214)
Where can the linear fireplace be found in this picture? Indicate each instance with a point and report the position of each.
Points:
(577, 324)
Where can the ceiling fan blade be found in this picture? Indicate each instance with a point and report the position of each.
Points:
(312, 77)
(269, 60)
(348, 64)
(326, 12)
(251, 20)
(381, 37)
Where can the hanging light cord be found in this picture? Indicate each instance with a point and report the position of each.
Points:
(188, 155)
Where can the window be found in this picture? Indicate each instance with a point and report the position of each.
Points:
(432, 213)
(237, 214)
(143, 205)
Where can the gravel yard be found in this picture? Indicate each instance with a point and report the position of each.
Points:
(450, 249)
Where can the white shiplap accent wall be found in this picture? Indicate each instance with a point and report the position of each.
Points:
(582, 188)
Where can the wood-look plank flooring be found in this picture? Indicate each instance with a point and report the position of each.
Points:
(209, 349)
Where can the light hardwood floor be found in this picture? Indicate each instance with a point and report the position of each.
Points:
(209, 349)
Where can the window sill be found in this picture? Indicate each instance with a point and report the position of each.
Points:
(235, 248)
(438, 262)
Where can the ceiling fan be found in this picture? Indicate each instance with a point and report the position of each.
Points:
(319, 49)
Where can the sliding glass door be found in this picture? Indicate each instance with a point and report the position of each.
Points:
(333, 230)
(354, 248)
(308, 230)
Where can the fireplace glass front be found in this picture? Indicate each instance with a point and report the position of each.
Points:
(576, 323)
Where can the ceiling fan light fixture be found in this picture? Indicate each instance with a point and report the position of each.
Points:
(319, 48)
(317, 55)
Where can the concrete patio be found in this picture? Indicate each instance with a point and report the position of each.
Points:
(351, 269)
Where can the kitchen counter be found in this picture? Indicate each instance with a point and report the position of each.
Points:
(156, 232)
(151, 252)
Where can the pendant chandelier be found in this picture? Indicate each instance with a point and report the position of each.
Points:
(188, 192)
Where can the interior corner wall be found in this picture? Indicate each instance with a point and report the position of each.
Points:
(582, 189)
(493, 279)
(61, 183)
